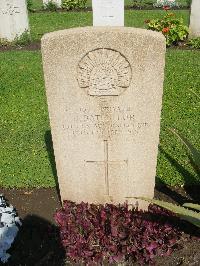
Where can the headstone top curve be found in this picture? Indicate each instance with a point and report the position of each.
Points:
(101, 29)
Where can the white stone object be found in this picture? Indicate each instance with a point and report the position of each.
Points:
(8, 218)
(57, 2)
(104, 91)
(5, 257)
(13, 19)
(194, 30)
(108, 12)
(9, 223)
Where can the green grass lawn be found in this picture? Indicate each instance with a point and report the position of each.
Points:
(181, 111)
(41, 23)
(24, 160)
(24, 123)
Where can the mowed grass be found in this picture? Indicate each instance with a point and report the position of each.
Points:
(24, 121)
(41, 23)
(26, 155)
(180, 111)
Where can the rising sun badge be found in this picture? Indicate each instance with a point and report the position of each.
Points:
(104, 72)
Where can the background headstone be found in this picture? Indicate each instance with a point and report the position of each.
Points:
(104, 91)
(57, 2)
(13, 19)
(108, 12)
(194, 30)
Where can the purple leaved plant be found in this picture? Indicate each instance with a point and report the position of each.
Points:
(93, 234)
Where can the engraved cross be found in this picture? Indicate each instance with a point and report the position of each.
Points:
(106, 162)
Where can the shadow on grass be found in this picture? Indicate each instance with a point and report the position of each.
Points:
(191, 190)
(37, 243)
(50, 151)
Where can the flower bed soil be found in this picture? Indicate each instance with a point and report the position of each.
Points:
(33, 46)
(38, 244)
(36, 45)
(89, 9)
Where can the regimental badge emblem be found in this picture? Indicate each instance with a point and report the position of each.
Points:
(104, 72)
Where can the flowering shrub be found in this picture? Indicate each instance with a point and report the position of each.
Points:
(172, 28)
(162, 3)
(73, 4)
(95, 234)
(9, 223)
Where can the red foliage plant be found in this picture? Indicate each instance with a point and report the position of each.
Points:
(166, 7)
(95, 234)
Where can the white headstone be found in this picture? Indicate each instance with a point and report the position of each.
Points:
(104, 91)
(108, 12)
(194, 30)
(57, 2)
(13, 19)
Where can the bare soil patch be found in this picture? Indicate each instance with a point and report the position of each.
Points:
(33, 46)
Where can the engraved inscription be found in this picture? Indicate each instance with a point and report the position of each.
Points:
(10, 9)
(121, 120)
(104, 72)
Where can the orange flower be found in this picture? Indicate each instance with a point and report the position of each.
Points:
(165, 30)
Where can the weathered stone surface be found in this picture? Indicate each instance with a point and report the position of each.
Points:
(13, 19)
(194, 30)
(108, 12)
(104, 91)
